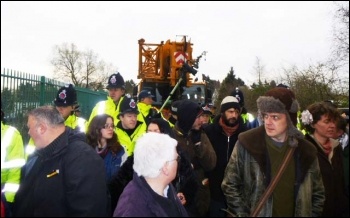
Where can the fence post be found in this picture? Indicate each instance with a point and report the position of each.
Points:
(42, 90)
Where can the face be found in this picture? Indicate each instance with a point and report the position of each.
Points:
(148, 100)
(65, 111)
(325, 127)
(129, 120)
(231, 116)
(152, 127)
(276, 125)
(108, 129)
(35, 131)
(205, 118)
(116, 93)
(197, 123)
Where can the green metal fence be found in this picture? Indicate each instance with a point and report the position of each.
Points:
(21, 92)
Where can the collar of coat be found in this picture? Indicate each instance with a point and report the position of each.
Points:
(254, 142)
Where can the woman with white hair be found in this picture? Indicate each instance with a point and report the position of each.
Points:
(150, 193)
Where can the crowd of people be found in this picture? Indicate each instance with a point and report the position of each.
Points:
(128, 160)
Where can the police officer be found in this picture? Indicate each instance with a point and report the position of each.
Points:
(144, 104)
(116, 93)
(65, 102)
(12, 159)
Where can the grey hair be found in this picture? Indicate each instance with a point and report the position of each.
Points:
(48, 115)
(152, 151)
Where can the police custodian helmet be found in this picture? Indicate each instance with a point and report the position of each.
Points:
(66, 96)
(115, 81)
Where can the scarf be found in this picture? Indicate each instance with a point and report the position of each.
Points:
(228, 129)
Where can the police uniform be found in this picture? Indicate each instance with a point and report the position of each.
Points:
(65, 96)
(12, 159)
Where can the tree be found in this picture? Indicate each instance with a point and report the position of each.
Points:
(341, 33)
(83, 68)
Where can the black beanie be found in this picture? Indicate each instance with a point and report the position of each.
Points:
(187, 112)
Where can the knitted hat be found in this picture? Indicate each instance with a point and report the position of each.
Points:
(66, 96)
(116, 81)
(187, 112)
(229, 102)
(281, 100)
(128, 105)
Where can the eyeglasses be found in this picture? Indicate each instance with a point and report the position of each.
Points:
(178, 159)
(108, 126)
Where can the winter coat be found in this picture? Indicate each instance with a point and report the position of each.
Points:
(248, 174)
(137, 200)
(203, 159)
(333, 180)
(66, 178)
(223, 146)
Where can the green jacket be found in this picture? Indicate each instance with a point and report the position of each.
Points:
(247, 177)
(12, 159)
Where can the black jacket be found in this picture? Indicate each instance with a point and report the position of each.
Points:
(67, 179)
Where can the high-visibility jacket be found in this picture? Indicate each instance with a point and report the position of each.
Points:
(12, 159)
(75, 122)
(128, 142)
(106, 107)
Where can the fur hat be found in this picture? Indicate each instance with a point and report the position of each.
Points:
(229, 102)
(281, 100)
(66, 96)
(187, 112)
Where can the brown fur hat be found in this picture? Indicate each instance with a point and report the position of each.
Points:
(281, 100)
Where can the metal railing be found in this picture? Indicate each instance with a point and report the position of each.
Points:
(21, 92)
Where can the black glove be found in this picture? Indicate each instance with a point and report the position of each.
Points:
(195, 136)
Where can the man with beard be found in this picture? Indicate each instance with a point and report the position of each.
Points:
(223, 134)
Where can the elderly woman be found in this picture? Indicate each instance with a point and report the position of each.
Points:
(150, 192)
(320, 121)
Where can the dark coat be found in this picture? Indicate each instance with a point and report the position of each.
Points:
(223, 146)
(67, 179)
(333, 181)
(137, 200)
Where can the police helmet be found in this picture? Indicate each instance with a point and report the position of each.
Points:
(66, 96)
(116, 81)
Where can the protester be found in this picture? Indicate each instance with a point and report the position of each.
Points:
(320, 121)
(64, 177)
(257, 156)
(223, 134)
(150, 193)
(195, 144)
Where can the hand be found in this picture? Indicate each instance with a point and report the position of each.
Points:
(182, 198)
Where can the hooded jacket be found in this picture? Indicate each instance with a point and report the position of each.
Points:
(248, 174)
(65, 179)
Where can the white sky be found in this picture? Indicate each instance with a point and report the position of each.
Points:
(281, 34)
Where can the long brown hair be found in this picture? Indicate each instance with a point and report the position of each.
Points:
(94, 134)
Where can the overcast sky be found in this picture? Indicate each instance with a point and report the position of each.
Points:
(280, 34)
